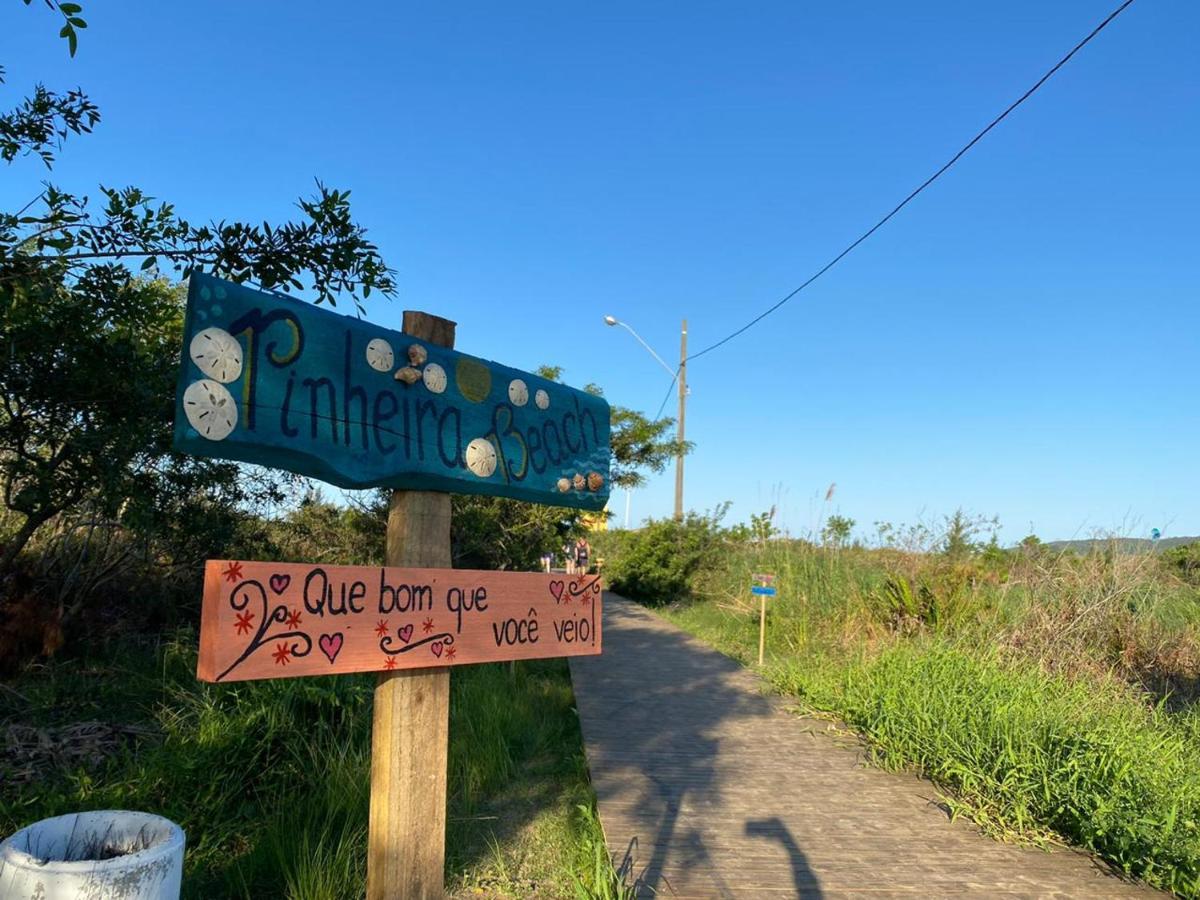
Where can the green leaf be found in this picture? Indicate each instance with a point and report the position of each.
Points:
(69, 9)
(77, 22)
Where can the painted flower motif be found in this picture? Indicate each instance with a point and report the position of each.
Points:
(382, 628)
(293, 619)
(233, 573)
(450, 651)
(427, 626)
(389, 663)
(282, 654)
(245, 622)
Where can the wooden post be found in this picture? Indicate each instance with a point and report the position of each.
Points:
(762, 626)
(411, 725)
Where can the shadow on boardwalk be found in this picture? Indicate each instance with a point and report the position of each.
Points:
(677, 721)
(708, 789)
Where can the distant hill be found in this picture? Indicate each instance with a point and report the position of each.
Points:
(1123, 545)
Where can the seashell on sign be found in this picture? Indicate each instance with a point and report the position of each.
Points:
(408, 375)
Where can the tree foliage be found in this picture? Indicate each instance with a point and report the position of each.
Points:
(499, 533)
(90, 337)
(72, 21)
(74, 425)
(837, 530)
(657, 563)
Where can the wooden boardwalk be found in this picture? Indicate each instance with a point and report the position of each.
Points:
(708, 788)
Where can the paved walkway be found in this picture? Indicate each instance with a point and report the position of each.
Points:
(707, 788)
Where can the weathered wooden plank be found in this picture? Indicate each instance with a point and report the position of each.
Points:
(707, 788)
(271, 380)
(283, 620)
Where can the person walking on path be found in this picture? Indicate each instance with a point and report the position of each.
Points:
(582, 551)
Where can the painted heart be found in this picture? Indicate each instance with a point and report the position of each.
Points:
(279, 583)
(331, 645)
(405, 633)
(556, 588)
(436, 647)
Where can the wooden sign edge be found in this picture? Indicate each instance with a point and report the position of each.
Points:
(206, 669)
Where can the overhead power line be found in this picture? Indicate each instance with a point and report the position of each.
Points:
(667, 396)
(930, 180)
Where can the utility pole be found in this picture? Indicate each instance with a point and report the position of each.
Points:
(679, 432)
(679, 375)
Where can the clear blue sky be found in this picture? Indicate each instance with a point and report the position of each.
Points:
(1021, 341)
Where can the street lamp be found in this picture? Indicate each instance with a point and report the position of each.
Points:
(679, 375)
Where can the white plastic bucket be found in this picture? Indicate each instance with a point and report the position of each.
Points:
(102, 855)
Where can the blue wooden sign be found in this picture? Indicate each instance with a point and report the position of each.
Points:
(271, 380)
(763, 591)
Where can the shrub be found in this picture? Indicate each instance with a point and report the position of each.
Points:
(656, 564)
(1184, 561)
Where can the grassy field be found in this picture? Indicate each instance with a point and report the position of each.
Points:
(1049, 695)
(270, 779)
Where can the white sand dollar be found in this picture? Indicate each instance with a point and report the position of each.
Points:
(542, 399)
(481, 457)
(435, 380)
(518, 392)
(217, 354)
(380, 356)
(210, 409)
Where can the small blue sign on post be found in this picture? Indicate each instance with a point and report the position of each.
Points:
(272, 380)
(762, 586)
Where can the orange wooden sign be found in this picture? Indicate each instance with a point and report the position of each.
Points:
(282, 620)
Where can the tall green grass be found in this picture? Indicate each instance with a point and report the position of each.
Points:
(270, 780)
(1025, 752)
(1050, 697)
